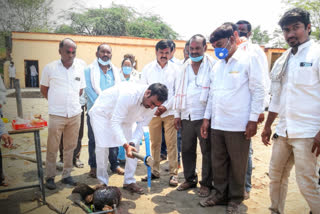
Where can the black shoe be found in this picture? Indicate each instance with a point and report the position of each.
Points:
(50, 184)
(153, 177)
(69, 180)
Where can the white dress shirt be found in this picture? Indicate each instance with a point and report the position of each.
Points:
(256, 51)
(33, 71)
(12, 71)
(194, 108)
(64, 87)
(236, 92)
(298, 103)
(153, 73)
(115, 112)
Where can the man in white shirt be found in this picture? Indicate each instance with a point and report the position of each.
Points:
(112, 117)
(242, 34)
(62, 83)
(163, 71)
(12, 74)
(191, 84)
(295, 90)
(235, 102)
(34, 75)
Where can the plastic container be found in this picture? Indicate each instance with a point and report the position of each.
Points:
(41, 123)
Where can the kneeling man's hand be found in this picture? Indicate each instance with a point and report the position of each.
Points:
(129, 149)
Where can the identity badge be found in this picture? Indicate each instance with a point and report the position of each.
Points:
(305, 64)
(77, 78)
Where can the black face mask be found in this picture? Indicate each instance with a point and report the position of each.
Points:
(241, 34)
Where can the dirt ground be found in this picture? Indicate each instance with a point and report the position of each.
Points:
(161, 198)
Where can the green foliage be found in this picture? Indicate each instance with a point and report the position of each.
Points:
(151, 27)
(118, 20)
(260, 37)
(278, 39)
(64, 29)
(313, 7)
(25, 15)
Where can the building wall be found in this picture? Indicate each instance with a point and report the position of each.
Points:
(43, 47)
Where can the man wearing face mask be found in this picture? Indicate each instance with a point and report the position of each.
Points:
(190, 104)
(100, 75)
(235, 102)
(163, 71)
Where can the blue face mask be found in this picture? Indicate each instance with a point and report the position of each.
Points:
(196, 59)
(103, 62)
(222, 53)
(126, 70)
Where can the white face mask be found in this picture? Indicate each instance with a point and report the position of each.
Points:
(103, 62)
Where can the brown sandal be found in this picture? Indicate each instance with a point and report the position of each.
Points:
(204, 191)
(133, 188)
(186, 185)
(93, 173)
(209, 202)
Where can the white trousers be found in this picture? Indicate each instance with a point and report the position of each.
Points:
(286, 153)
(102, 155)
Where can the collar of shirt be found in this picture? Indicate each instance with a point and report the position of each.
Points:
(158, 66)
(303, 46)
(72, 66)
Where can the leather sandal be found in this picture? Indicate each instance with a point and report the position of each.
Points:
(204, 191)
(186, 185)
(153, 177)
(93, 173)
(211, 201)
(133, 188)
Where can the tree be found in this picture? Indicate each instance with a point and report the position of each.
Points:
(151, 27)
(117, 20)
(313, 7)
(25, 15)
(278, 40)
(260, 37)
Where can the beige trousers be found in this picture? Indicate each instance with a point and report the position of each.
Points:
(287, 152)
(155, 127)
(70, 129)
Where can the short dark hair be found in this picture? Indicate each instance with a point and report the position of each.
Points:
(245, 22)
(98, 48)
(160, 90)
(295, 15)
(163, 44)
(61, 44)
(204, 41)
(226, 30)
(172, 44)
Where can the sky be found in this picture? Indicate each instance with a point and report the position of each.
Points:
(189, 17)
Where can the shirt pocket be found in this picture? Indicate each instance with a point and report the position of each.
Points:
(232, 79)
(305, 76)
(76, 82)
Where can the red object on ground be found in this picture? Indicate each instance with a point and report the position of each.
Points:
(41, 123)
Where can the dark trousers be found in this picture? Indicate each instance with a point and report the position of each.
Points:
(76, 153)
(12, 82)
(1, 168)
(164, 146)
(91, 145)
(113, 152)
(190, 133)
(229, 164)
